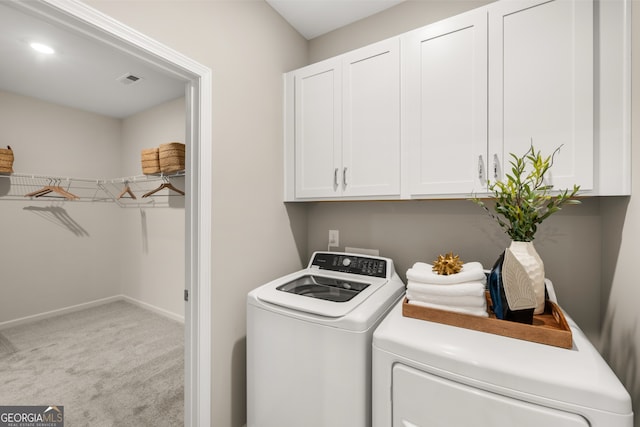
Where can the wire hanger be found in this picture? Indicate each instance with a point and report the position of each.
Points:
(127, 190)
(52, 189)
(162, 186)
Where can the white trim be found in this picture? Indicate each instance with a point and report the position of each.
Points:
(79, 17)
(57, 312)
(150, 307)
(627, 78)
(85, 305)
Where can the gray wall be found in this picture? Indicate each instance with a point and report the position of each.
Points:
(47, 264)
(569, 242)
(621, 246)
(152, 249)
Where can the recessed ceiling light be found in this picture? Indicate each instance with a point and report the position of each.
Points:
(42, 48)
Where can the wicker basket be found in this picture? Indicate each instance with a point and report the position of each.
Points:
(171, 157)
(6, 160)
(150, 161)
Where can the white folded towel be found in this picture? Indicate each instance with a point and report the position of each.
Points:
(469, 301)
(480, 312)
(423, 272)
(461, 289)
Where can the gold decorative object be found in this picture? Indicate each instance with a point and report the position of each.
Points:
(447, 264)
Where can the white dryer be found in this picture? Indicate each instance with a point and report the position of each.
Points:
(309, 340)
(435, 375)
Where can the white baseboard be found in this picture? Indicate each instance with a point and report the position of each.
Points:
(52, 313)
(157, 310)
(85, 305)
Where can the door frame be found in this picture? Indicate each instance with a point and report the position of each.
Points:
(79, 17)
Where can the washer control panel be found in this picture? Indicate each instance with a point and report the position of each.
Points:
(349, 263)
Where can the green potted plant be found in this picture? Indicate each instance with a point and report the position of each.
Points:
(523, 200)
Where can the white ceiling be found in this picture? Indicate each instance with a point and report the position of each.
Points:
(81, 74)
(84, 72)
(313, 18)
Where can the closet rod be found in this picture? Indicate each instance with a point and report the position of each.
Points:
(135, 178)
(49, 177)
(141, 178)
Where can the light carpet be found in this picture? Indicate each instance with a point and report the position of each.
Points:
(112, 365)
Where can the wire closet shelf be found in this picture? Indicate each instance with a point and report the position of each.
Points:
(132, 191)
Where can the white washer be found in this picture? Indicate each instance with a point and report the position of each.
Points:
(309, 340)
(430, 374)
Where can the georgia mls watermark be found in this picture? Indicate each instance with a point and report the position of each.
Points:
(31, 416)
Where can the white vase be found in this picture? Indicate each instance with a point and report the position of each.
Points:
(523, 267)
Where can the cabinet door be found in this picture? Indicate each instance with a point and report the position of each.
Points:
(541, 85)
(445, 105)
(318, 120)
(371, 120)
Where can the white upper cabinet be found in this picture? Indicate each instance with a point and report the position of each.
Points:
(541, 86)
(612, 82)
(371, 121)
(532, 65)
(444, 110)
(437, 111)
(318, 132)
(345, 136)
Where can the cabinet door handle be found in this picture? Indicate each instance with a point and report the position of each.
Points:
(480, 168)
(344, 176)
(496, 163)
(335, 177)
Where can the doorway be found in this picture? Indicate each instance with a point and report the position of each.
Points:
(80, 18)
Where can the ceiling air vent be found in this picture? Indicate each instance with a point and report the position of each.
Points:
(129, 79)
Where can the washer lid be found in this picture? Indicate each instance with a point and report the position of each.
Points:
(310, 291)
(326, 288)
(508, 366)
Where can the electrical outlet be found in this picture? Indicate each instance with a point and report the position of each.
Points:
(334, 238)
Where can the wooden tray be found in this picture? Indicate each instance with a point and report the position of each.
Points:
(549, 328)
